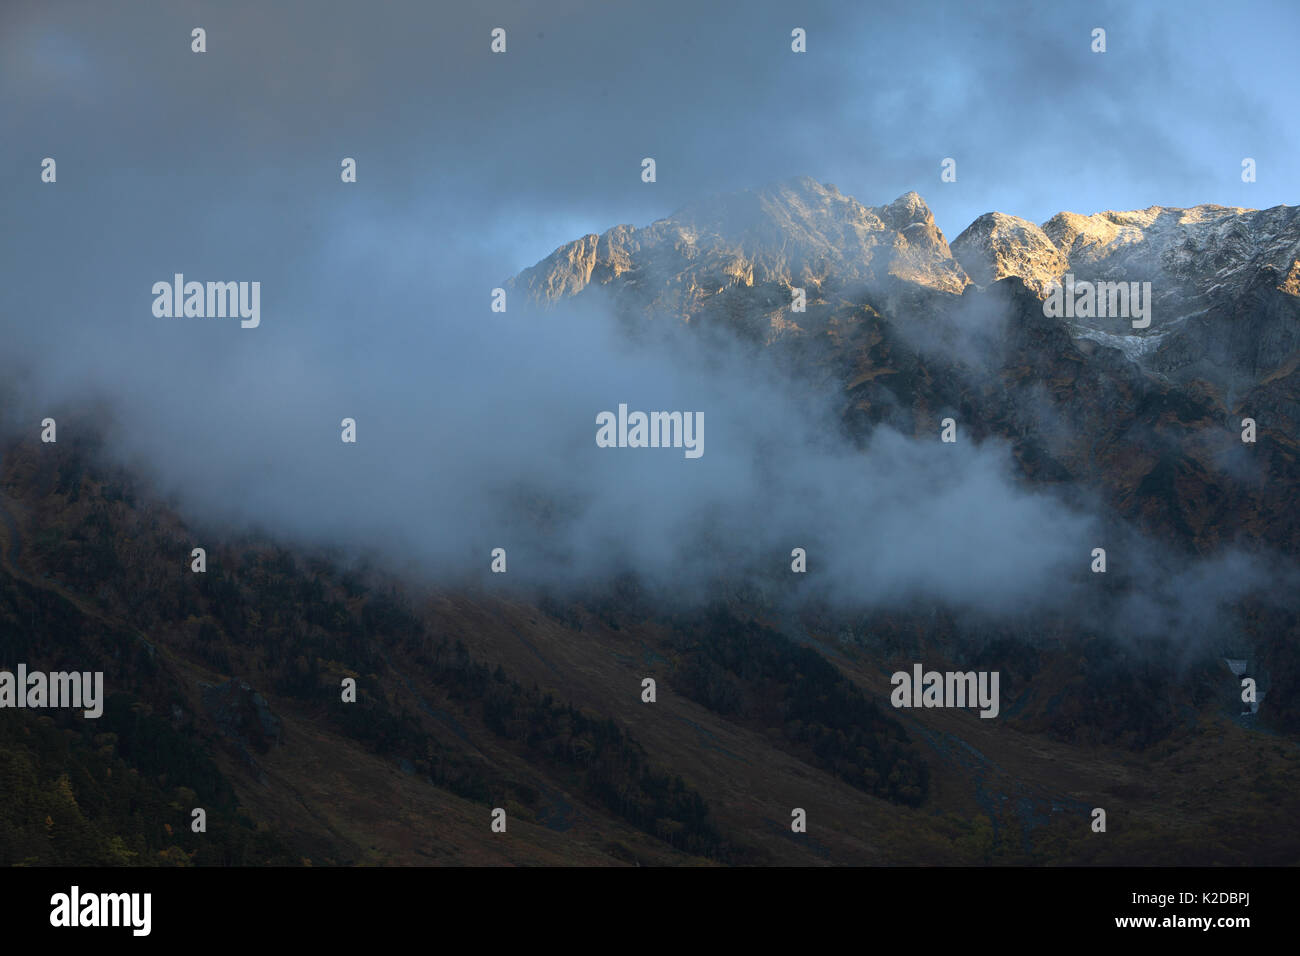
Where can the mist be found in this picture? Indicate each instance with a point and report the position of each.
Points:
(476, 430)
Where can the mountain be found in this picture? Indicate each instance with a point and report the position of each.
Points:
(223, 693)
(914, 329)
(1226, 281)
(225, 686)
(760, 244)
(996, 246)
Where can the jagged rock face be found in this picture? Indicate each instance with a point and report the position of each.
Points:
(1195, 256)
(1207, 252)
(792, 234)
(1236, 341)
(996, 246)
(1225, 282)
(1149, 418)
(1196, 259)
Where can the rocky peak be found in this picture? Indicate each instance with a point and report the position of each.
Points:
(797, 232)
(1214, 271)
(1224, 281)
(996, 245)
(907, 210)
(1195, 254)
(1199, 255)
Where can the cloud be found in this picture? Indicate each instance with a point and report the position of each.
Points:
(225, 166)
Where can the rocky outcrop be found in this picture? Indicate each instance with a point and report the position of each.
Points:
(1149, 417)
(798, 233)
(996, 246)
(241, 714)
(1224, 282)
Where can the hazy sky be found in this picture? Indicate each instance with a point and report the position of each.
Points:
(507, 156)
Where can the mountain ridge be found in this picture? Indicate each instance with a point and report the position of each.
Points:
(761, 244)
(806, 213)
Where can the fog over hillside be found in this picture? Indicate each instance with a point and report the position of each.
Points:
(477, 429)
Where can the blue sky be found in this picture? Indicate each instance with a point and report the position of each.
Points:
(498, 159)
